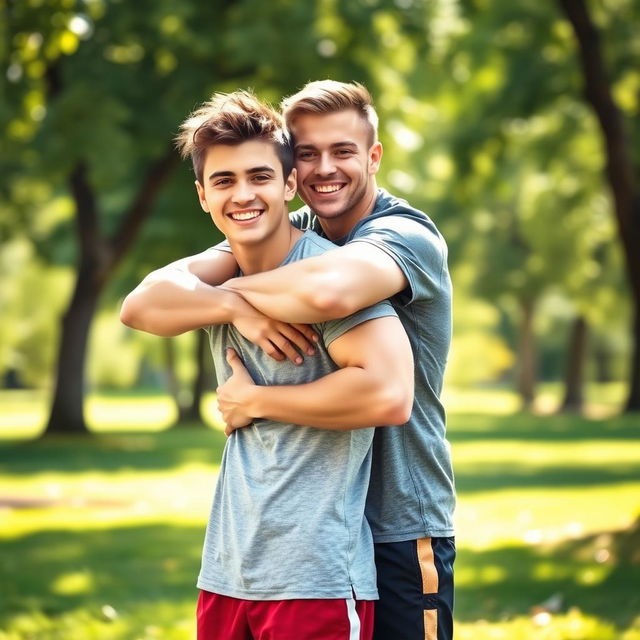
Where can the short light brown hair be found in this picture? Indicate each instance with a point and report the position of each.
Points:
(231, 119)
(329, 96)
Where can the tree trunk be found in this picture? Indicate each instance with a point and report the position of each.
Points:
(633, 401)
(193, 412)
(601, 361)
(574, 373)
(620, 170)
(67, 414)
(526, 356)
(99, 256)
(173, 384)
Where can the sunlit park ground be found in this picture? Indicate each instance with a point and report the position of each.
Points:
(101, 536)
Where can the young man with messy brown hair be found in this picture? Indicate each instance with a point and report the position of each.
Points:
(288, 553)
(389, 250)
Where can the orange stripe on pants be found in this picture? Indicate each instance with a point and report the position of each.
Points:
(429, 585)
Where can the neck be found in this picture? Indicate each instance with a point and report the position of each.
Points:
(336, 228)
(268, 254)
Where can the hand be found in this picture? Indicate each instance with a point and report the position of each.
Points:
(233, 395)
(279, 340)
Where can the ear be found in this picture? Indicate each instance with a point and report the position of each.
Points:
(375, 156)
(201, 197)
(290, 186)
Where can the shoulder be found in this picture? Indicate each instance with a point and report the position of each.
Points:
(311, 244)
(394, 221)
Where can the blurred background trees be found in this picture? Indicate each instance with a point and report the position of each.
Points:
(515, 126)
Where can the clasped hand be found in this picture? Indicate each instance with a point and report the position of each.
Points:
(234, 395)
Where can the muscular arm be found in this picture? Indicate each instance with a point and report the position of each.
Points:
(182, 296)
(332, 285)
(373, 387)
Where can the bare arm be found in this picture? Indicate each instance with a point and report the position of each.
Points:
(373, 387)
(332, 285)
(182, 296)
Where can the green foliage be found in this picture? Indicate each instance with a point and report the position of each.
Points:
(482, 119)
(30, 297)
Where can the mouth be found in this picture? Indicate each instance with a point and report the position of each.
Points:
(246, 215)
(328, 187)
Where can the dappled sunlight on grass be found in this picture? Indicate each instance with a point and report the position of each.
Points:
(102, 533)
(23, 413)
(533, 516)
(490, 402)
(151, 413)
(602, 400)
(574, 625)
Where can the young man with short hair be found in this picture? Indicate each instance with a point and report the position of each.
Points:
(388, 250)
(288, 552)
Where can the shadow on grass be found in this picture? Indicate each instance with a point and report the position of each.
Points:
(516, 476)
(598, 574)
(523, 426)
(138, 568)
(57, 570)
(141, 451)
(133, 571)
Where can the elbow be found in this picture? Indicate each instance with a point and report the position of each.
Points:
(396, 404)
(399, 412)
(135, 315)
(129, 313)
(328, 305)
(328, 295)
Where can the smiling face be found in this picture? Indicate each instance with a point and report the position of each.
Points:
(336, 165)
(245, 193)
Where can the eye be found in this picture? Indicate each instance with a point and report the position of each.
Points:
(261, 177)
(222, 182)
(344, 152)
(305, 155)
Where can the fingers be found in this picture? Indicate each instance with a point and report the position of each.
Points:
(234, 360)
(290, 341)
(307, 331)
(283, 346)
(302, 336)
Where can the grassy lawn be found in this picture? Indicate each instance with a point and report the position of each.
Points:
(101, 536)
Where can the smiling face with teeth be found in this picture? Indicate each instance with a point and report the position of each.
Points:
(246, 195)
(336, 166)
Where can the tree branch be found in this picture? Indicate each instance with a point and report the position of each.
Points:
(619, 166)
(142, 204)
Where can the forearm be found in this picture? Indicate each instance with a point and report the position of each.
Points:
(170, 306)
(346, 399)
(297, 294)
(332, 285)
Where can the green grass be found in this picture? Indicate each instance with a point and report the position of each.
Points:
(101, 536)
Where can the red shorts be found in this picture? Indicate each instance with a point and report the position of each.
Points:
(224, 618)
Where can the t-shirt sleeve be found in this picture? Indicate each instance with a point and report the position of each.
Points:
(222, 246)
(418, 249)
(333, 329)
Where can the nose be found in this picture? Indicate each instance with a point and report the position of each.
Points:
(326, 165)
(243, 193)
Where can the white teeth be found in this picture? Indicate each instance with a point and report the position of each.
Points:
(327, 188)
(245, 215)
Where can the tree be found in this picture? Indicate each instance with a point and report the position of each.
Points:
(621, 171)
(95, 91)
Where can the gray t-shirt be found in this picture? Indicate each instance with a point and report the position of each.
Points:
(412, 492)
(287, 519)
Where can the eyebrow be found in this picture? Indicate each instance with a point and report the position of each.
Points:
(343, 143)
(265, 168)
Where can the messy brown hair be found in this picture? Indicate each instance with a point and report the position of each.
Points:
(231, 119)
(329, 96)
